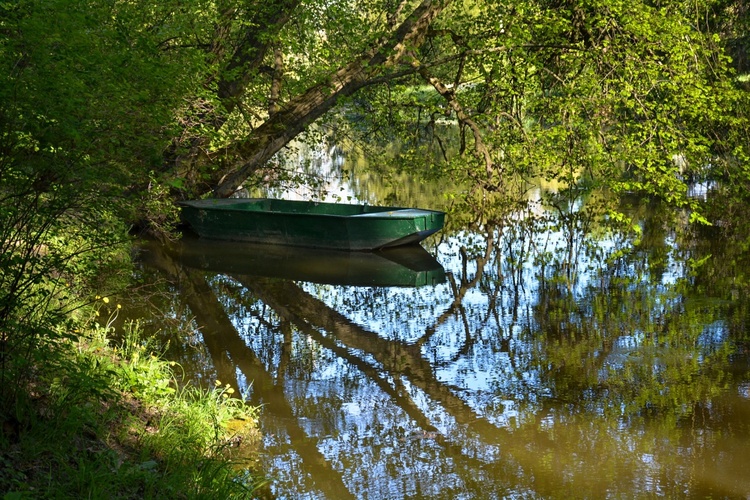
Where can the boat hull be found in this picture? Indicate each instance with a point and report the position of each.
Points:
(310, 224)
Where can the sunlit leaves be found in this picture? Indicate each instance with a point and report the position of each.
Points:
(623, 95)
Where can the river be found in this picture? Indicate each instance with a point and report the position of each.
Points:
(544, 358)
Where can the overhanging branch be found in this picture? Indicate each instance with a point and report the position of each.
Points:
(292, 118)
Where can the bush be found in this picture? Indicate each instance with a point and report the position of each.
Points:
(113, 422)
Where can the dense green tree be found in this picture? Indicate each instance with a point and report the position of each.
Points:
(635, 95)
(630, 94)
(87, 96)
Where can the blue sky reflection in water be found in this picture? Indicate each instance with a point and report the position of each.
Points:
(622, 372)
(557, 360)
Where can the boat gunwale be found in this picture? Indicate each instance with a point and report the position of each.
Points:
(231, 205)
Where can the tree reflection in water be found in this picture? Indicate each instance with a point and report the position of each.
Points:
(551, 363)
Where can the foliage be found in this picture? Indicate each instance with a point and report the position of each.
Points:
(625, 96)
(633, 96)
(87, 96)
(110, 423)
(50, 261)
(637, 96)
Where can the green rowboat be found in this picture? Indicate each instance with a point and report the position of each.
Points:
(310, 224)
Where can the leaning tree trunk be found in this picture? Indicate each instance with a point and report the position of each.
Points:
(294, 116)
(240, 55)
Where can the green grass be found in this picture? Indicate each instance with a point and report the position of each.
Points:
(113, 422)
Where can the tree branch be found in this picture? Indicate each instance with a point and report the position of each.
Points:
(449, 94)
(298, 113)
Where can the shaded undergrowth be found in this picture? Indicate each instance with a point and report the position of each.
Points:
(112, 421)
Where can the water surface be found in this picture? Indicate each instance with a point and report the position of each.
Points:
(551, 362)
(549, 357)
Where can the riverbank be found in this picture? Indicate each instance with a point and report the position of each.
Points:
(106, 419)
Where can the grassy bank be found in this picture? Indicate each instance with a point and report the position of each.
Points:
(106, 420)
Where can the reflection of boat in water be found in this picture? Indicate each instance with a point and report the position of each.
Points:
(400, 266)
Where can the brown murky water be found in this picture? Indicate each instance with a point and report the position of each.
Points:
(601, 367)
